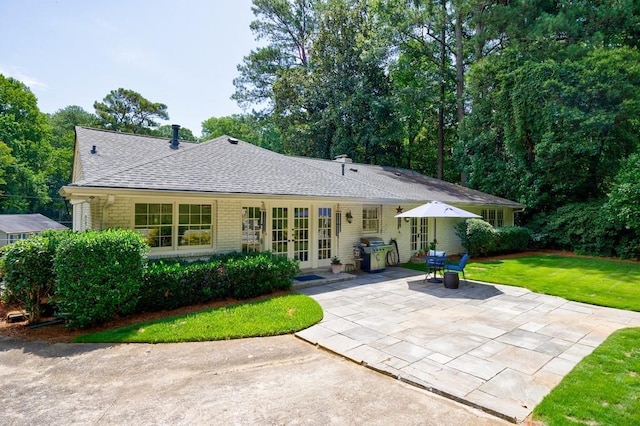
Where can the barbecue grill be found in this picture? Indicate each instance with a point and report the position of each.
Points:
(374, 254)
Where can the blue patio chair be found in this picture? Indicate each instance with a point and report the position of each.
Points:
(459, 267)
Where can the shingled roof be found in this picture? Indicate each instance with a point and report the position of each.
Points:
(227, 166)
(27, 223)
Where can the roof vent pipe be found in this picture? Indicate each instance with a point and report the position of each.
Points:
(343, 169)
(94, 149)
(174, 139)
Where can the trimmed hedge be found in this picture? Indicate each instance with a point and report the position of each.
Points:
(170, 284)
(99, 275)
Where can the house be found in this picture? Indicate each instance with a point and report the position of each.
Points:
(194, 199)
(14, 227)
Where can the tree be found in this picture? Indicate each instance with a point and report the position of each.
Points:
(25, 131)
(351, 91)
(128, 111)
(63, 123)
(553, 131)
(166, 131)
(288, 27)
(260, 131)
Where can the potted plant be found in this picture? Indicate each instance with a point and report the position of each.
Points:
(336, 265)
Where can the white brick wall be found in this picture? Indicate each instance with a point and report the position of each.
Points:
(227, 225)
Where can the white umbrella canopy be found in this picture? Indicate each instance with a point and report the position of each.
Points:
(437, 209)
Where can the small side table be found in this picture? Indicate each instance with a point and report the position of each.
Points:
(451, 280)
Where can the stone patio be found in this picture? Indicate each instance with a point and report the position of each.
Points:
(494, 347)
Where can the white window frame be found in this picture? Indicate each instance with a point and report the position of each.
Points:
(371, 219)
(495, 217)
(176, 225)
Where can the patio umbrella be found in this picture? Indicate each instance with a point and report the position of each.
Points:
(436, 209)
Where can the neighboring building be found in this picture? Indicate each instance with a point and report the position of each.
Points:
(193, 199)
(14, 227)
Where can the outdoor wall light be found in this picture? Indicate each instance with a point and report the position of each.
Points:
(349, 216)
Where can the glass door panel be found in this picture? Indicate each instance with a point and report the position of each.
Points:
(301, 234)
(324, 233)
(280, 231)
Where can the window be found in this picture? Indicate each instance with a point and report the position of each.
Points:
(156, 222)
(419, 234)
(250, 229)
(370, 219)
(12, 238)
(494, 216)
(194, 227)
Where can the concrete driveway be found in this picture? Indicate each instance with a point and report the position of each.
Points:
(494, 347)
(263, 381)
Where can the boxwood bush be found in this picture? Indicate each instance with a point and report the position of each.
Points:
(173, 283)
(478, 237)
(99, 275)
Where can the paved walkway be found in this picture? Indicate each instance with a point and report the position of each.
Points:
(494, 347)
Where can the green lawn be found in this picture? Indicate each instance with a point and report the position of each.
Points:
(270, 317)
(603, 389)
(595, 281)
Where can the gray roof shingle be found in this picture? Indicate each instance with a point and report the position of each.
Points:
(220, 166)
(26, 223)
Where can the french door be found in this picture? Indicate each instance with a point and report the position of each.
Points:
(290, 233)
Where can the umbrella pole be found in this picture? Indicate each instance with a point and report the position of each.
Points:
(434, 267)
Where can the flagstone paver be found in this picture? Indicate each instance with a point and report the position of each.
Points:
(495, 347)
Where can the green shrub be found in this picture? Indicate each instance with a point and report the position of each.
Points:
(172, 284)
(585, 228)
(623, 207)
(512, 239)
(99, 275)
(28, 274)
(256, 274)
(478, 237)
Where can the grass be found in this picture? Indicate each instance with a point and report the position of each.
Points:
(595, 281)
(603, 389)
(270, 317)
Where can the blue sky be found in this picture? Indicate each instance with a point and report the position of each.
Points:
(183, 53)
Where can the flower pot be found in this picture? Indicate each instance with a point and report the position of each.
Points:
(336, 268)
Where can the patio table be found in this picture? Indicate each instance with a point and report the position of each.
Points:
(435, 264)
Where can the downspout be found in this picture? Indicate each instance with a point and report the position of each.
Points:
(110, 200)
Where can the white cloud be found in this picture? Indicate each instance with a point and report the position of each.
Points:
(32, 82)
